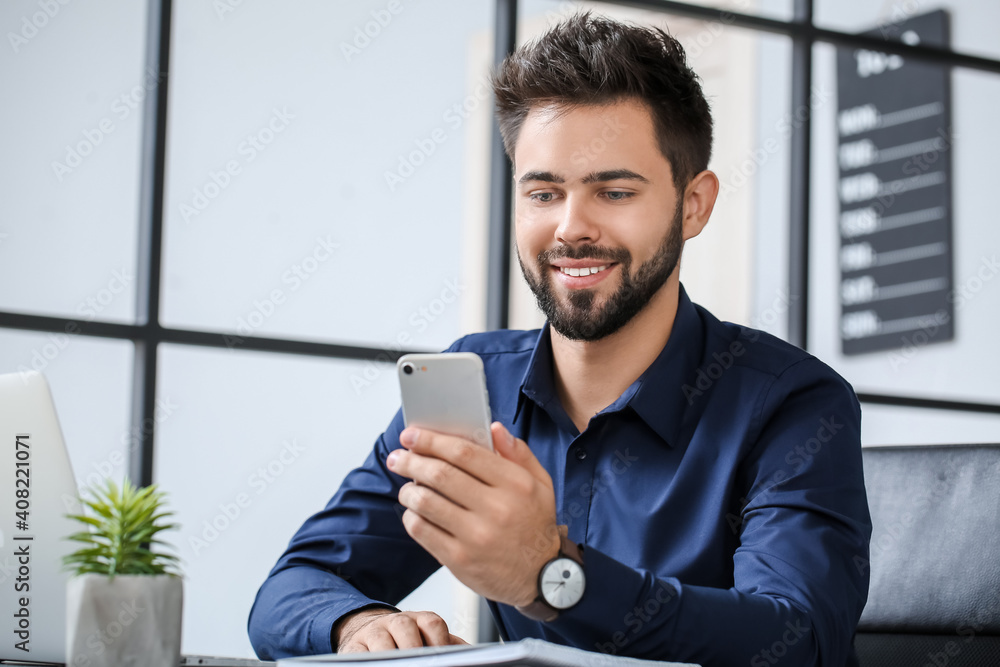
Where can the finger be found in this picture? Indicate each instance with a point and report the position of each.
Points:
(455, 639)
(405, 631)
(517, 450)
(452, 483)
(433, 628)
(433, 507)
(375, 637)
(465, 455)
(433, 539)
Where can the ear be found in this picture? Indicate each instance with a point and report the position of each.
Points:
(699, 200)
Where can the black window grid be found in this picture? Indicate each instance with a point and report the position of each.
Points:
(147, 334)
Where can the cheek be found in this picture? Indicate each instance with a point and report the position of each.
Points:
(530, 237)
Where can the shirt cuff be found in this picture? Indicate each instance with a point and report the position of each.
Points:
(617, 604)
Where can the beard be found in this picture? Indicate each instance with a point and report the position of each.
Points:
(578, 317)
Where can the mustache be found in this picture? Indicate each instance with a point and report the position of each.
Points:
(619, 255)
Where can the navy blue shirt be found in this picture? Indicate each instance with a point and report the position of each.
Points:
(720, 502)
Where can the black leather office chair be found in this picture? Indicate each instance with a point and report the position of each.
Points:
(935, 557)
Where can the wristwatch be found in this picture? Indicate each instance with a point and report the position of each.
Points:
(561, 582)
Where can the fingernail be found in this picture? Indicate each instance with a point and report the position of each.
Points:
(408, 436)
(392, 458)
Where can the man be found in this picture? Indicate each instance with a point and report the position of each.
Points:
(664, 485)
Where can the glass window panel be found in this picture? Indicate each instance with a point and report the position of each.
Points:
(964, 368)
(745, 77)
(91, 380)
(73, 82)
(776, 9)
(279, 432)
(318, 179)
(973, 22)
(891, 425)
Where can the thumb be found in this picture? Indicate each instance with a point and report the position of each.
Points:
(516, 450)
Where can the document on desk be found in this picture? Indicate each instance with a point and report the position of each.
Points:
(524, 653)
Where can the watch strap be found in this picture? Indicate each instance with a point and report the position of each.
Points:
(539, 609)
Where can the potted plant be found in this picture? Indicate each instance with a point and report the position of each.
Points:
(124, 602)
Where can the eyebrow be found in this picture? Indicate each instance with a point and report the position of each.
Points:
(614, 175)
(546, 176)
(593, 177)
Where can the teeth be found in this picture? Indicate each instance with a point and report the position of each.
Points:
(585, 271)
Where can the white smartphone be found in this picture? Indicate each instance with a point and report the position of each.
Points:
(446, 392)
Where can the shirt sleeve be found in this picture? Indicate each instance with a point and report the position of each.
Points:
(353, 554)
(799, 581)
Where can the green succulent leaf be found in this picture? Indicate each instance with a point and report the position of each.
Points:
(121, 529)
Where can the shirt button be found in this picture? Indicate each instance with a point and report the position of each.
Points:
(581, 453)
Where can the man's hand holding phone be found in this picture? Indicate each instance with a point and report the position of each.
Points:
(489, 517)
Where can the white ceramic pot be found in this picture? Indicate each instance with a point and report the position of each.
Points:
(130, 620)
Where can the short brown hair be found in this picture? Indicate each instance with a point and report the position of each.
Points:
(594, 60)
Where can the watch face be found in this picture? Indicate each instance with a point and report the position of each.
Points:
(562, 583)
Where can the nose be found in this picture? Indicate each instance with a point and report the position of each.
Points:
(577, 223)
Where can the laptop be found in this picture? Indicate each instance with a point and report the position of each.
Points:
(37, 490)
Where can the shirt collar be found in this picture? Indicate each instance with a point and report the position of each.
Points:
(657, 396)
(538, 383)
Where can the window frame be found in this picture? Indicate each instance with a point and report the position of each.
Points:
(147, 334)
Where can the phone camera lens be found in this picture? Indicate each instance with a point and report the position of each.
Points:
(408, 368)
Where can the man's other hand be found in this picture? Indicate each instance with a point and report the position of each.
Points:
(383, 629)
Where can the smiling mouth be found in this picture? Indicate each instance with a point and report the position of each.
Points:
(582, 271)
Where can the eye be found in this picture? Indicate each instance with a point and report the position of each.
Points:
(618, 195)
(542, 197)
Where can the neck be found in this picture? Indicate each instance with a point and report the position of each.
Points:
(590, 375)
